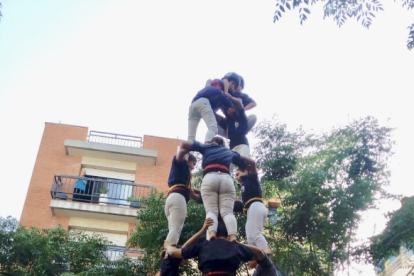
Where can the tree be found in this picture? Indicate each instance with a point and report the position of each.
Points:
(55, 252)
(397, 234)
(342, 10)
(326, 181)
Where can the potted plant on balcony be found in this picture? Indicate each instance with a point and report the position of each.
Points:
(103, 197)
(134, 201)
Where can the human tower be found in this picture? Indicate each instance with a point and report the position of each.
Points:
(221, 253)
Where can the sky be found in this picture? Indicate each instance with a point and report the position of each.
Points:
(132, 67)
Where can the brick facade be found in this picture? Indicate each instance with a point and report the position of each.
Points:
(52, 160)
(158, 175)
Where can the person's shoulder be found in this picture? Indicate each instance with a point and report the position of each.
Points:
(199, 144)
(253, 177)
(245, 96)
(212, 88)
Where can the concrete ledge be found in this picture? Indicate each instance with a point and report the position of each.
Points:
(111, 152)
(63, 208)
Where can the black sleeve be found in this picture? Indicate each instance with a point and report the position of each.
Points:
(244, 253)
(178, 163)
(246, 99)
(239, 161)
(197, 146)
(191, 251)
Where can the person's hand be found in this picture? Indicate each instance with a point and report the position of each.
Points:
(170, 249)
(210, 143)
(207, 223)
(226, 86)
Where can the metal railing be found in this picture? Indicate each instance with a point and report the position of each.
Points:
(99, 191)
(115, 253)
(115, 139)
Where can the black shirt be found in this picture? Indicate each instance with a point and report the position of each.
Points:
(265, 268)
(170, 266)
(215, 154)
(250, 187)
(237, 134)
(217, 255)
(180, 174)
(245, 98)
(216, 97)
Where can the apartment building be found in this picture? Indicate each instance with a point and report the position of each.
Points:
(92, 181)
(399, 265)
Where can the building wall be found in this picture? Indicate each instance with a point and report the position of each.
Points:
(51, 159)
(158, 175)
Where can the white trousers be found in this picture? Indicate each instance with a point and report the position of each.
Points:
(176, 212)
(256, 218)
(201, 109)
(219, 194)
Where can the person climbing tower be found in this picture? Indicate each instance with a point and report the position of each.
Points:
(204, 105)
(179, 194)
(217, 188)
(253, 206)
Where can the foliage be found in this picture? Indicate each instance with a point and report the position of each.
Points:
(133, 198)
(55, 252)
(326, 180)
(398, 233)
(342, 10)
(103, 191)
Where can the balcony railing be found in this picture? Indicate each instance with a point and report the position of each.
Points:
(115, 139)
(114, 253)
(98, 190)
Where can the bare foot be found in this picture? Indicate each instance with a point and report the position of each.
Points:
(232, 238)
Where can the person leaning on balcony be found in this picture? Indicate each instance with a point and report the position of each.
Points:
(207, 101)
(80, 187)
(253, 207)
(217, 188)
(179, 194)
(218, 257)
(171, 266)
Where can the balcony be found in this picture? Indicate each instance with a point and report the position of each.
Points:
(114, 253)
(112, 146)
(98, 198)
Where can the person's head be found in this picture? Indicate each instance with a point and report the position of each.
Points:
(191, 161)
(239, 174)
(218, 84)
(232, 111)
(240, 87)
(82, 173)
(218, 140)
(233, 79)
(221, 229)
